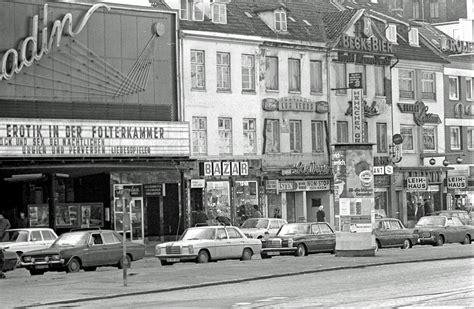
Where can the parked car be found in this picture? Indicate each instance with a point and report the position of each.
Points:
(86, 250)
(461, 214)
(10, 260)
(208, 243)
(28, 239)
(390, 232)
(437, 230)
(300, 239)
(258, 227)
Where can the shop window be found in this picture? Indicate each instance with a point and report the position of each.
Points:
(295, 136)
(280, 21)
(382, 144)
(406, 82)
(469, 88)
(246, 196)
(428, 85)
(199, 135)
(470, 138)
(225, 135)
(455, 138)
(408, 133)
(218, 200)
(294, 75)
(272, 136)
(198, 77)
(219, 13)
(342, 132)
(271, 73)
(317, 136)
(316, 76)
(341, 83)
(223, 71)
(379, 80)
(453, 88)
(38, 215)
(429, 138)
(248, 73)
(250, 136)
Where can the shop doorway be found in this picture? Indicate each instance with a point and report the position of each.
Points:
(198, 213)
(172, 219)
(290, 207)
(153, 215)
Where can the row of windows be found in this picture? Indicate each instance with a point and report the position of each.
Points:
(454, 89)
(381, 131)
(456, 141)
(407, 84)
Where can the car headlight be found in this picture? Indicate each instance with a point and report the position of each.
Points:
(290, 242)
(190, 248)
(32, 260)
(27, 259)
(56, 257)
(157, 250)
(46, 258)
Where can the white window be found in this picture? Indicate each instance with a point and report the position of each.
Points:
(248, 73)
(469, 88)
(341, 84)
(453, 88)
(225, 135)
(406, 80)
(184, 9)
(316, 76)
(219, 13)
(342, 132)
(272, 136)
(271, 73)
(429, 138)
(223, 71)
(199, 135)
(280, 21)
(455, 138)
(379, 80)
(470, 138)
(391, 33)
(294, 75)
(317, 136)
(198, 10)
(198, 79)
(295, 136)
(413, 37)
(250, 136)
(428, 85)
(434, 8)
(408, 133)
(381, 137)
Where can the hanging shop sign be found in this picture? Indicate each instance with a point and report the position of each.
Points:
(226, 168)
(349, 57)
(366, 44)
(41, 43)
(383, 170)
(357, 122)
(304, 185)
(420, 113)
(295, 104)
(355, 80)
(198, 183)
(457, 182)
(43, 138)
(456, 46)
(417, 184)
(310, 168)
(378, 107)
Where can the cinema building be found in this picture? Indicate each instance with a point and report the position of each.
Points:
(90, 126)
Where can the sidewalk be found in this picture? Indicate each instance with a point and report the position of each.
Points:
(148, 276)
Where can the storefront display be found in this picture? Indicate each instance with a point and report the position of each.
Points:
(38, 215)
(218, 199)
(246, 198)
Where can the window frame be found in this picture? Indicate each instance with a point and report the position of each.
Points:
(339, 134)
(273, 124)
(382, 139)
(434, 9)
(341, 80)
(223, 71)
(458, 139)
(456, 97)
(280, 21)
(377, 81)
(184, 13)
(317, 136)
(426, 94)
(413, 37)
(221, 16)
(296, 136)
(401, 91)
(267, 62)
(248, 71)
(194, 66)
(296, 89)
(470, 138)
(199, 129)
(250, 132)
(316, 76)
(414, 138)
(391, 33)
(416, 7)
(195, 5)
(469, 88)
(223, 141)
(435, 138)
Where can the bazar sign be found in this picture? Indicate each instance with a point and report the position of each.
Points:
(225, 168)
(304, 185)
(32, 49)
(89, 138)
(457, 182)
(417, 184)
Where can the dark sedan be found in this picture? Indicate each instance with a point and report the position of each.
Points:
(86, 250)
(390, 233)
(10, 260)
(437, 230)
(300, 239)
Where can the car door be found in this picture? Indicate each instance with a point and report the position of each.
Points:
(36, 241)
(459, 231)
(384, 233)
(48, 238)
(396, 234)
(112, 247)
(328, 237)
(222, 244)
(315, 239)
(237, 242)
(96, 253)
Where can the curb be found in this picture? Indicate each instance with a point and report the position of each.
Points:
(233, 281)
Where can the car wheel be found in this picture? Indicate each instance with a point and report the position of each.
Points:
(246, 255)
(35, 272)
(300, 250)
(73, 266)
(439, 241)
(165, 263)
(265, 256)
(203, 257)
(127, 264)
(406, 244)
(91, 268)
(467, 240)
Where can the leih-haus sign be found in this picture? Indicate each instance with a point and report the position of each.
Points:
(417, 184)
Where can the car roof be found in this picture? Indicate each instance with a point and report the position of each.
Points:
(386, 219)
(30, 229)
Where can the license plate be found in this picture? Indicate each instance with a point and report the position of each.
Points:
(172, 260)
(273, 253)
(41, 266)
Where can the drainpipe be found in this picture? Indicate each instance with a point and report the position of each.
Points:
(329, 134)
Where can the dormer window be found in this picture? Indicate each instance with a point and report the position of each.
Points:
(391, 33)
(413, 37)
(280, 21)
(192, 10)
(198, 10)
(219, 13)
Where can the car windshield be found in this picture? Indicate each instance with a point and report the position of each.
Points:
(431, 221)
(255, 223)
(294, 229)
(71, 239)
(15, 236)
(199, 233)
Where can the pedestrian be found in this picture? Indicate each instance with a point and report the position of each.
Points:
(276, 213)
(256, 212)
(427, 207)
(4, 225)
(22, 221)
(320, 214)
(419, 212)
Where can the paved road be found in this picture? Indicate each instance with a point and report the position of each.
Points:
(149, 276)
(433, 283)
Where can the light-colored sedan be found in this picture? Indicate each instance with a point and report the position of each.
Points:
(259, 227)
(208, 243)
(28, 239)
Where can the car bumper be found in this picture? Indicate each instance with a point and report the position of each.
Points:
(44, 265)
(427, 240)
(176, 258)
(277, 251)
